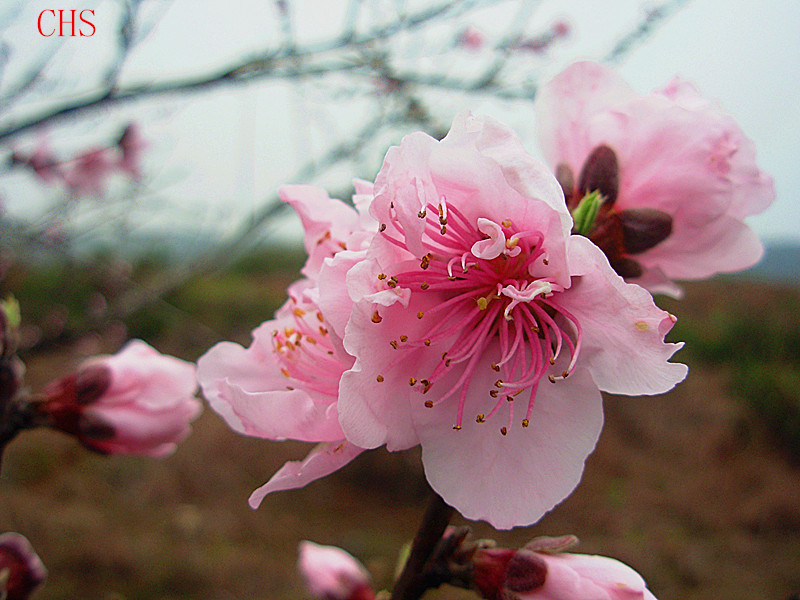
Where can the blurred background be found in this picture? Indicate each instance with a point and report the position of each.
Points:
(138, 174)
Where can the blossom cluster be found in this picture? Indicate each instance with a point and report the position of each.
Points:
(457, 306)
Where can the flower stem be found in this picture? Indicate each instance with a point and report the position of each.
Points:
(412, 583)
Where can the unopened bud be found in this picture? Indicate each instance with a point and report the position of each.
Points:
(21, 569)
(331, 573)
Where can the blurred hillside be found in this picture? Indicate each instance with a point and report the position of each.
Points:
(698, 489)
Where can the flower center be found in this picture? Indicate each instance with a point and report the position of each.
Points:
(488, 300)
(304, 351)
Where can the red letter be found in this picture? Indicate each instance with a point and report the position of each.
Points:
(39, 23)
(89, 23)
(62, 21)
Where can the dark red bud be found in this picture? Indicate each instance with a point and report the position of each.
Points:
(91, 383)
(526, 572)
(643, 228)
(600, 172)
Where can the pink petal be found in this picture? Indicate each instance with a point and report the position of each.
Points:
(514, 479)
(623, 330)
(323, 460)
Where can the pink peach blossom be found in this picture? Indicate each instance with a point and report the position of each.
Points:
(330, 573)
(527, 574)
(24, 570)
(89, 171)
(472, 294)
(678, 174)
(137, 401)
(285, 385)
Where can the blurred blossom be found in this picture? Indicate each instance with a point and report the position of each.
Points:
(87, 173)
(471, 38)
(539, 572)
(21, 569)
(332, 574)
(677, 175)
(132, 145)
(137, 401)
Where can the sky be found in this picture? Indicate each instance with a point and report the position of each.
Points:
(215, 155)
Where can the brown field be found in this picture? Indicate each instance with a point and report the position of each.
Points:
(698, 489)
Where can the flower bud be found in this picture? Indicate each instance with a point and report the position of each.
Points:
(539, 571)
(332, 574)
(21, 569)
(135, 402)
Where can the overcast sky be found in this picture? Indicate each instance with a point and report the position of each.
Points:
(222, 154)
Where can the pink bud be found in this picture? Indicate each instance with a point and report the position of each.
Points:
(137, 401)
(332, 574)
(21, 569)
(471, 38)
(527, 574)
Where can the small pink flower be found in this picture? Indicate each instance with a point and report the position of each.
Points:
(482, 330)
(332, 574)
(527, 574)
(678, 174)
(21, 569)
(137, 401)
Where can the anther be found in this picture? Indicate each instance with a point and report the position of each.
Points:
(427, 342)
(545, 261)
(506, 223)
(299, 312)
(551, 378)
(457, 427)
(509, 398)
(425, 262)
(552, 360)
(481, 418)
(443, 230)
(381, 276)
(376, 318)
(421, 214)
(393, 344)
(525, 422)
(444, 355)
(424, 286)
(498, 383)
(495, 367)
(382, 228)
(420, 314)
(565, 374)
(503, 430)
(320, 318)
(493, 393)
(342, 245)
(412, 381)
(482, 303)
(428, 404)
(323, 330)
(379, 379)
(404, 338)
(285, 372)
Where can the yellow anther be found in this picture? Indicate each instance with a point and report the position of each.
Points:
(421, 214)
(424, 286)
(381, 276)
(428, 404)
(506, 223)
(498, 383)
(320, 318)
(457, 427)
(412, 381)
(323, 330)
(480, 418)
(420, 314)
(376, 318)
(311, 340)
(393, 344)
(404, 338)
(551, 378)
(512, 243)
(443, 230)
(342, 245)
(525, 422)
(299, 312)
(285, 372)
(482, 303)
(642, 326)
(382, 228)
(380, 379)
(427, 342)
